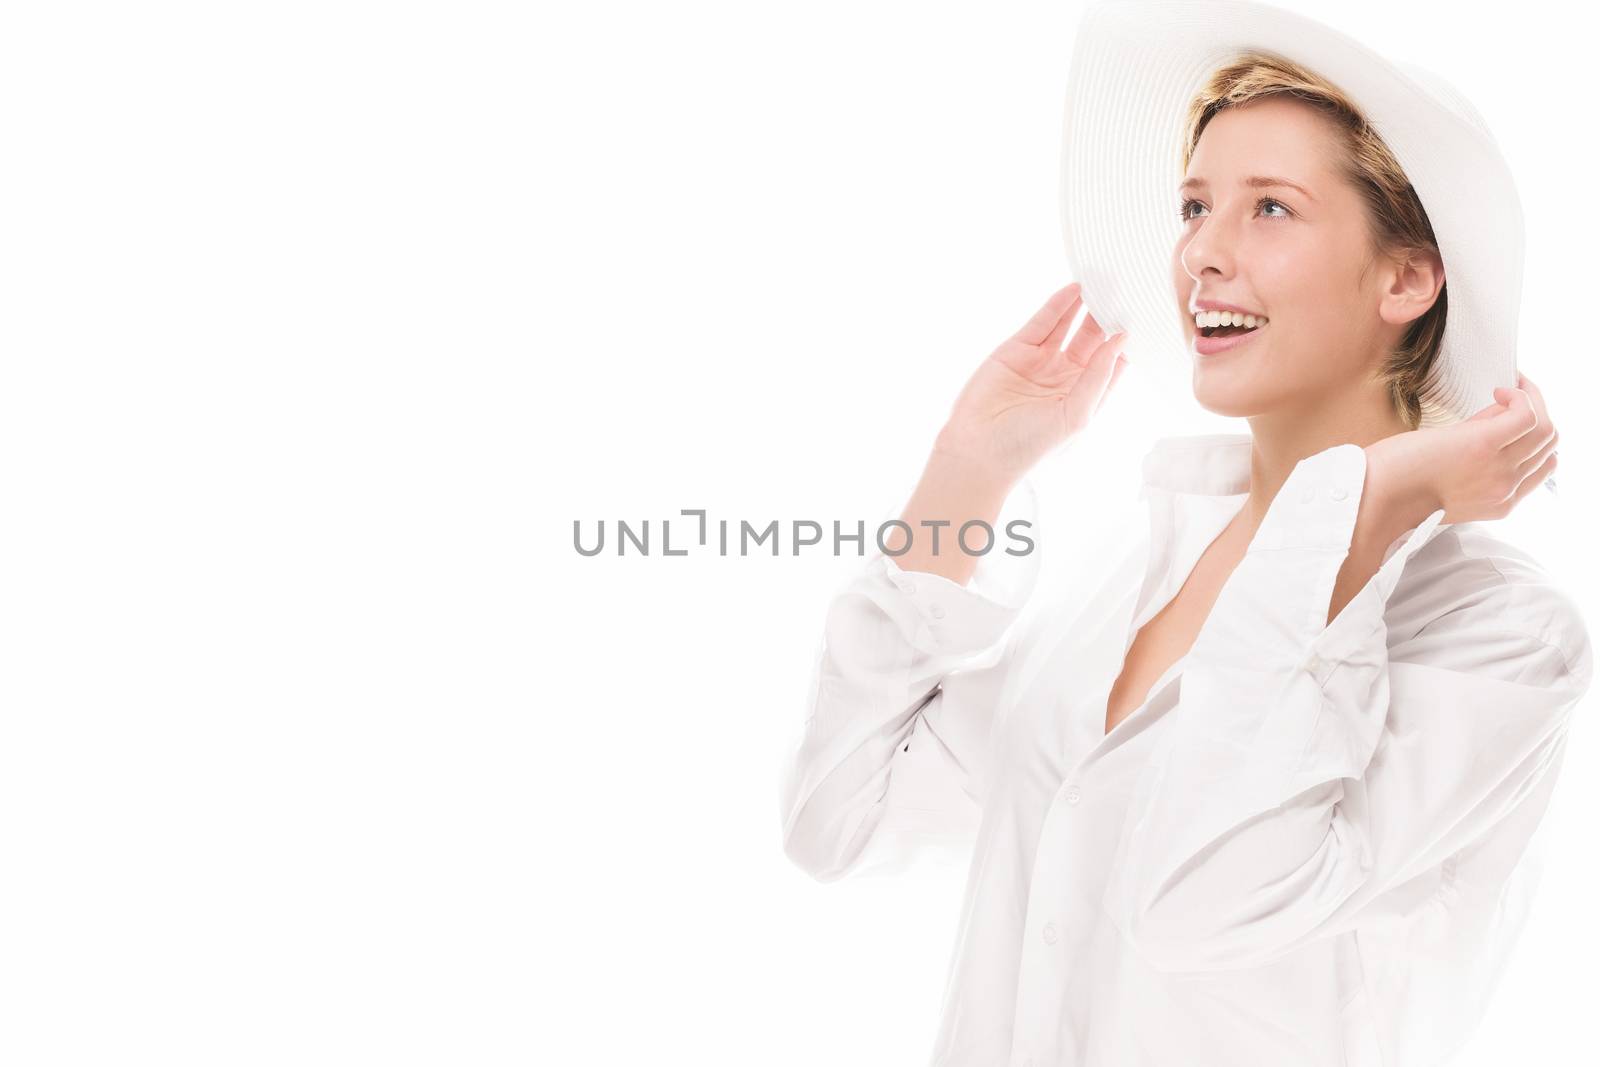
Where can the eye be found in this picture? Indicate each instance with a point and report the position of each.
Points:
(1183, 211)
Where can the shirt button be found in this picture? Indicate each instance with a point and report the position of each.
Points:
(1049, 933)
(909, 586)
(1338, 494)
(1073, 796)
(936, 611)
(1313, 663)
(1307, 495)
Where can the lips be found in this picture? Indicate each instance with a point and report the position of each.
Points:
(1211, 346)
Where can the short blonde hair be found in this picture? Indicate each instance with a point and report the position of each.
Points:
(1397, 223)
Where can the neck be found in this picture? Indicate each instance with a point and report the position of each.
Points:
(1283, 438)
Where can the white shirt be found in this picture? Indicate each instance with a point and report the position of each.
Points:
(1309, 846)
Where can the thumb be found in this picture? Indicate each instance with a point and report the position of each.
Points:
(1502, 402)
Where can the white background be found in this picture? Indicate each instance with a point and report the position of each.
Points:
(324, 322)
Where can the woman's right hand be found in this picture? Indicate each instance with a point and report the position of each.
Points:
(1032, 393)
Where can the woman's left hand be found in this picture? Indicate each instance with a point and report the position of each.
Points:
(1477, 469)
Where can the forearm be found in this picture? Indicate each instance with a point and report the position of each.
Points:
(953, 490)
(1388, 509)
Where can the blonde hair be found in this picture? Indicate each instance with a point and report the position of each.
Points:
(1396, 221)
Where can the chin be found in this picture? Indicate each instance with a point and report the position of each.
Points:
(1227, 409)
(1221, 395)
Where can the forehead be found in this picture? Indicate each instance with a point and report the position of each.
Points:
(1279, 134)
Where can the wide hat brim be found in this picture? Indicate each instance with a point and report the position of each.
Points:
(1136, 65)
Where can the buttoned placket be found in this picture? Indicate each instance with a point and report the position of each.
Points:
(1041, 973)
(1042, 968)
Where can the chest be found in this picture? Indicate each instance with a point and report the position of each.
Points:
(1168, 635)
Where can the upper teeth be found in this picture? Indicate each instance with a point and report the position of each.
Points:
(1227, 318)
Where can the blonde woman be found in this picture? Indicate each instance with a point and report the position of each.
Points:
(1263, 795)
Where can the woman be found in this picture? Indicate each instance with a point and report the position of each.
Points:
(1264, 796)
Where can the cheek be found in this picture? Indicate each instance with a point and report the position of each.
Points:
(1290, 275)
(1311, 272)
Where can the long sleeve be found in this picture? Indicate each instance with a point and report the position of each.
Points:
(1313, 777)
(902, 700)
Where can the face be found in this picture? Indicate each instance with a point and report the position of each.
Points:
(1303, 258)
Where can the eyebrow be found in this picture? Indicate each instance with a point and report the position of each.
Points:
(1255, 181)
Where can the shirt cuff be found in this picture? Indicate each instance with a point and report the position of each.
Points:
(1273, 610)
(950, 618)
(1316, 508)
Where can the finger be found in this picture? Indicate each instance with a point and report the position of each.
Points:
(1052, 343)
(1116, 372)
(1073, 360)
(1488, 411)
(1062, 305)
(1090, 390)
(1525, 382)
(1519, 418)
(1533, 391)
(1543, 439)
(1090, 336)
(1524, 448)
(1536, 479)
(1532, 463)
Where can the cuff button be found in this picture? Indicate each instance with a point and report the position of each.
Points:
(936, 611)
(1339, 494)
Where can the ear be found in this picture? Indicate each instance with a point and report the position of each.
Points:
(1412, 286)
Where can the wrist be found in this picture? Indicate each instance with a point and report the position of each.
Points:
(982, 474)
(957, 454)
(1397, 497)
(1395, 484)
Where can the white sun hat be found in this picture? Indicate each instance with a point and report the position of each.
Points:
(1135, 67)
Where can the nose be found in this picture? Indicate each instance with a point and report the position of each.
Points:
(1208, 248)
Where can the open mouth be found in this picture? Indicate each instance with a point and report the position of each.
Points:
(1226, 331)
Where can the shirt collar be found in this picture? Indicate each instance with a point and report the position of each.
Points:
(1209, 464)
(1218, 465)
